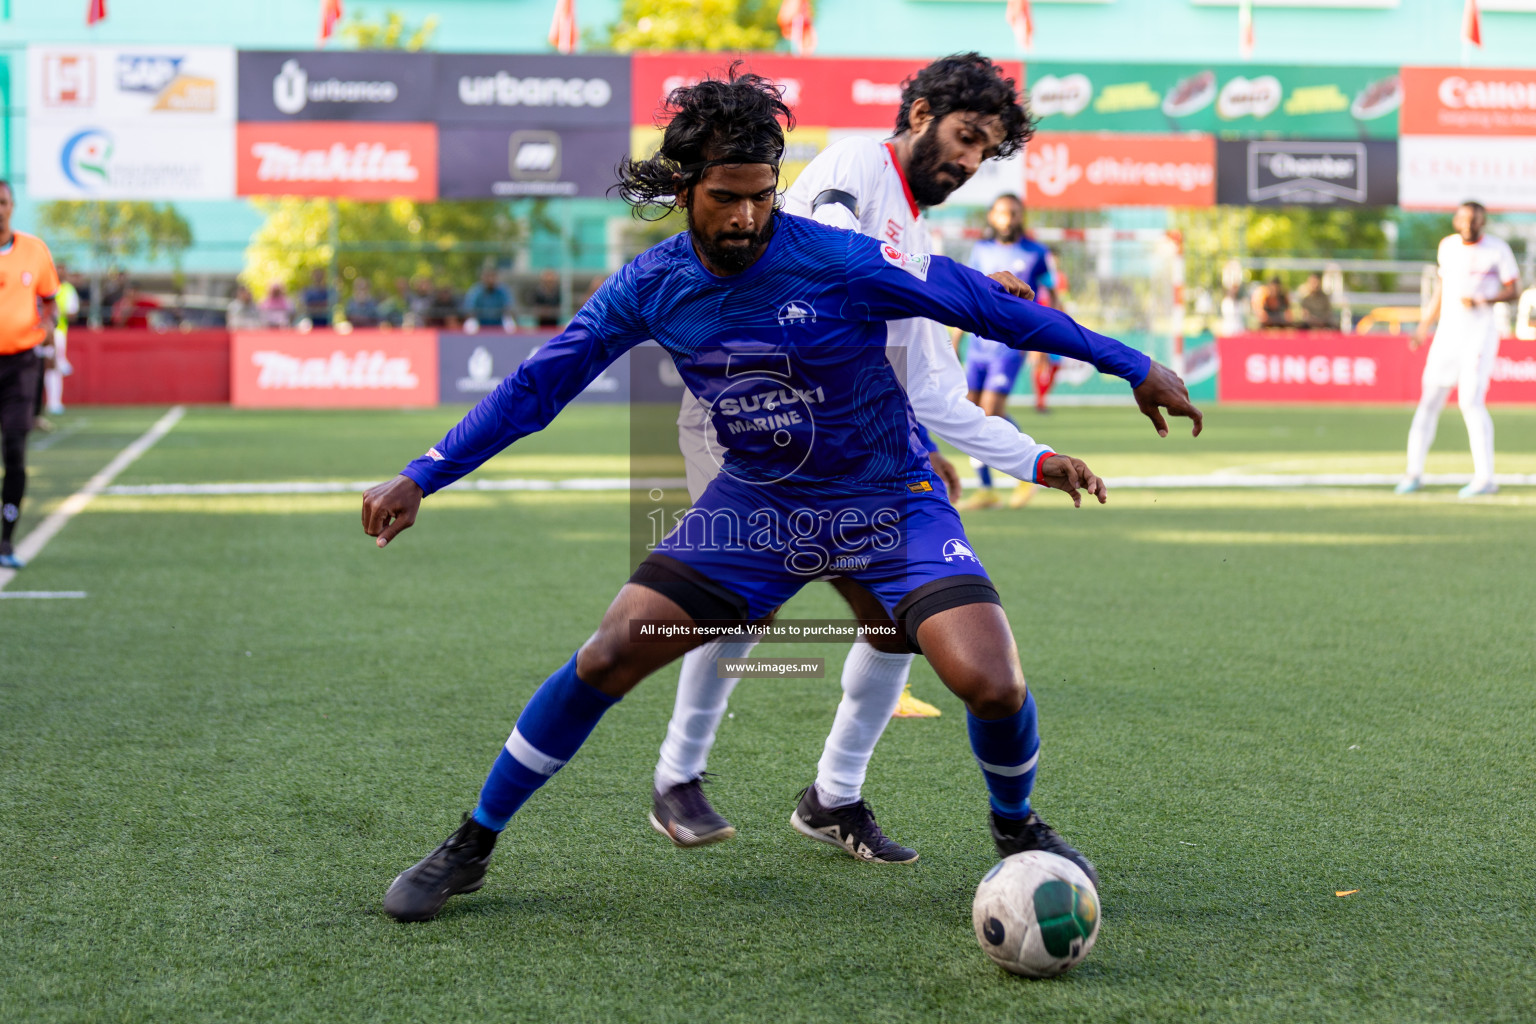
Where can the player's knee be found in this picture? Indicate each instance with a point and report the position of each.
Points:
(996, 697)
(599, 660)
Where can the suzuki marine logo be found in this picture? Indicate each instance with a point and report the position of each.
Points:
(796, 313)
(534, 156)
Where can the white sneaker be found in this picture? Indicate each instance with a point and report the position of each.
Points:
(1478, 488)
(1408, 485)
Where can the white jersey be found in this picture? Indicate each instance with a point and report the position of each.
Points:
(856, 184)
(1467, 340)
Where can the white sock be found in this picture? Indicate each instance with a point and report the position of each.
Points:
(53, 389)
(872, 684)
(1480, 434)
(1426, 419)
(701, 700)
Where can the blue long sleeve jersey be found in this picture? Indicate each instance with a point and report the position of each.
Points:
(789, 355)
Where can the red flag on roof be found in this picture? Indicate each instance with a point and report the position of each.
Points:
(562, 30)
(1245, 29)
(1471, 25)
(330, 14)
(97, 11)
(1022, 21)
(797, 21)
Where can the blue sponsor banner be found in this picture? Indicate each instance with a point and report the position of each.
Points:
(471, 366)
(487, 162)
(532, 90)
(305, 85)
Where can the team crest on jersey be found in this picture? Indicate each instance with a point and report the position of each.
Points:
(911, 262)
(959, 549)
(796, 313)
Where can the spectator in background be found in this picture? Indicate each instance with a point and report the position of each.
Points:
(242, 313)
(1272, 305)
(444, 311)
(362, 308)
(419, 306)
(488, 300)
(276, 308)
(316, 301)
(113, 290)
(1317, 310)
(393, 310)
(134, 308)
(545, 299)
(1233, 321)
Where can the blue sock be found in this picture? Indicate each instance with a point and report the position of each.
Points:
(984, 475)
(558, 719)
(1008, 750)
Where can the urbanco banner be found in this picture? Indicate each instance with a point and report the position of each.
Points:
(532, 90)
(327, 370)
(306, 85)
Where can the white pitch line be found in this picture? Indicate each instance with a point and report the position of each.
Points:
(41, 595)
(34, 542)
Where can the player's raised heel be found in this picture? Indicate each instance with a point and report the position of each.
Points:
(851, 828)
(1015, 835)
(684, 815)
(1408, 485)
(456, 866)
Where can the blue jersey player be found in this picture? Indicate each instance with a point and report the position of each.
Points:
(991, 367)
(778, 325)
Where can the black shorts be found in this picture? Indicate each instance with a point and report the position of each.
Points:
(20, 373)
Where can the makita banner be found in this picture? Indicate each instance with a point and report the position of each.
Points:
(485, 162)
(537, 90)
(471, 366)
(305, 85)
(323, 370)
(1294, 172)
(359, 161)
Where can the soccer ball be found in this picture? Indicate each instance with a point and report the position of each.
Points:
(1036, 914)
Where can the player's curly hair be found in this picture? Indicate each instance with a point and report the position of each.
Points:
(735, 119)
(973, 83)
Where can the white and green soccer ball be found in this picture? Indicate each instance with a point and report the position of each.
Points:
(1036, 914)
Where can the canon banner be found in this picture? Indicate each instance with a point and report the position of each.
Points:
(1323, 366)
(1440, 172)
(359, 161)
(1285, 172)
(1469, 101)
(1083, 171)
(305, 85)
(1230, 100)
(471, 366)
(500, 163)
(532, 90)
(333, 371)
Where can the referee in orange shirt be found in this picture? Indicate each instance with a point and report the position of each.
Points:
(28, 313)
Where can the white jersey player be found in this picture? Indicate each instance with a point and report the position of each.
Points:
(1476, 271)
(877, 189)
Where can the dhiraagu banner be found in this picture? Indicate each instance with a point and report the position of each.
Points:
(1228, 100)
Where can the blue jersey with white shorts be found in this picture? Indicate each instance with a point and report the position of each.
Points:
(815, 437)
(992, 365)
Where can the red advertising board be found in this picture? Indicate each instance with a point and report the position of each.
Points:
(1468, 101)
(1086, 170)
(355, 159)
(1326, 367)
(136, 367)
(326, 370)
(826, 92)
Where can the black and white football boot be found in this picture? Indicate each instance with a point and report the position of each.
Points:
(684, 815)
(851, 828)
(1016, 835)
(456, 866)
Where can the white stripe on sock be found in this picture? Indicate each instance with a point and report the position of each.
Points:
(1009, 770)
(531, 757)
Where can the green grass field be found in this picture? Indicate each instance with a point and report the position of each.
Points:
(211, 768)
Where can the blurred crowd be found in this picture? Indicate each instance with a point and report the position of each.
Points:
(488, 302)
(1270, 306)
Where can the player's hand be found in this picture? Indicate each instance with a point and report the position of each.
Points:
(1013, 285)
(390, 507)
(1420, 336)
(1163, 389)
(1065, 473)
(948, 473)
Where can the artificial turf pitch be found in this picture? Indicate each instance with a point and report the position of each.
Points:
(211, 768)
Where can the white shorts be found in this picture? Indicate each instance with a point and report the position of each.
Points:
(1461, 362)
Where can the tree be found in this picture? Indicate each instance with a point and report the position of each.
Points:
(112, 232)
(659, 25)
(384, 241)
(392, 33)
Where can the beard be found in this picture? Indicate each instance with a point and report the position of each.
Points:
(926, 163)
(731, 258)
